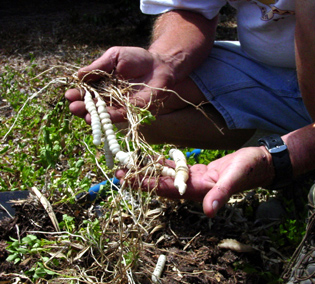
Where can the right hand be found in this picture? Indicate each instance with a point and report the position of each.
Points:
(215, 183)
(136, 65)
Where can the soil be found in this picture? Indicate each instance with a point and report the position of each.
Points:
(59, 31)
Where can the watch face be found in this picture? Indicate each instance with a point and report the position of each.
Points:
(278, 149)
(273, 143)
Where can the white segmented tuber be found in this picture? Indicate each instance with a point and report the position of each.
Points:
(95, 120)
(101, 109)
(108, 155)
(114, 148)
(163, 170)
(128, 160)
(107, 126)
(181, 170)
(166, 171)
(125, 158)
(109, 132)
(235, 245)
(101, 123)
(158, 269)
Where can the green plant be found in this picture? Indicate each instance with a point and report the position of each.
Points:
(67, 223)
(293, 231)
(40, 270)
(287, 234)
(145, 116)
(92, 230)
(30, 245)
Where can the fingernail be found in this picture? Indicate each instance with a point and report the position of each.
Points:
(215, 206)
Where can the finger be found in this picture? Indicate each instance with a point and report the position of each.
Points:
(120, 174)
(74, 95)
(117, 115)
(78, 108)
(164, 185)
(87, 118)
(107, 62)
(215, 199)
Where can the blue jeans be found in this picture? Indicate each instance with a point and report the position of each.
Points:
(250, 94)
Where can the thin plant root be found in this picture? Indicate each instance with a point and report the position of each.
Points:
(138, 157)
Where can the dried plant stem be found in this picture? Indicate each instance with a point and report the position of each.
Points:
(46, 204)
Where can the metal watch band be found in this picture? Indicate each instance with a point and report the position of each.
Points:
(280, 158)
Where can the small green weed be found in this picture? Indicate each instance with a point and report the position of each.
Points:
(40, 270)
(31, 246)
(287, 234)
(67, 223)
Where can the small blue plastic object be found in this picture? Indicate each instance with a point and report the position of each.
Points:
(195, 152)
(93, 191)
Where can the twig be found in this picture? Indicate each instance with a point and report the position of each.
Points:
(6, 210)
(46, 204)
(188, 244)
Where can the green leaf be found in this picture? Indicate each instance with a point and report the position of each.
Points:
(45, 258)
(5, 149)
(79, 164)
(13, 239)
(17, 260)
(50, 272)
(12, 257)
(36, 245)
(29, 239)
(15, 244)
(7, 169)
(22, 250)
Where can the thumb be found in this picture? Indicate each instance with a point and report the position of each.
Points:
(107, 62)
(215, 199)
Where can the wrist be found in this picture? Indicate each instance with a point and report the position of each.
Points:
(301, 144)
(269, 167)
(176, 62)
(282, 167)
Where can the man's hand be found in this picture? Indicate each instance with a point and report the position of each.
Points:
(214, 184)
(181, 42)
(136, 65)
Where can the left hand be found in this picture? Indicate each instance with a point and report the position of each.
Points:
(215, 183)
(136, 65)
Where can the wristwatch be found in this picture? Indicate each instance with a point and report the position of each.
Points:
(280, 159)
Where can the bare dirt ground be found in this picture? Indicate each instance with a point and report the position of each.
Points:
(55, 32)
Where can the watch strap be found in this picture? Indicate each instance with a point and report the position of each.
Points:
(280, 159)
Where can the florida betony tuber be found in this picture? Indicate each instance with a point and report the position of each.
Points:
(181, 170)
(101, 123)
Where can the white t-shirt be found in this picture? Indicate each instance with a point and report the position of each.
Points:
(265, 27)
